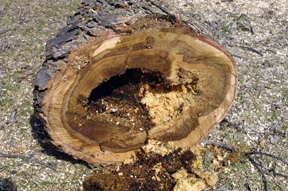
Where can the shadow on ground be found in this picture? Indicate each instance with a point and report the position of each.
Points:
(7, 184)
(39, 133)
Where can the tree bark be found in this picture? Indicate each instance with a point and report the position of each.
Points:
(122, 72)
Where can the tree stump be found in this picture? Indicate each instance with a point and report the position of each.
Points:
(124, 71)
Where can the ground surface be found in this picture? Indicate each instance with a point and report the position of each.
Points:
(255, 32)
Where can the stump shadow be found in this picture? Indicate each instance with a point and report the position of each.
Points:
(39, 133)
(7, 184)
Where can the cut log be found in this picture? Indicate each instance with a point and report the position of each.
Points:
(123, 72)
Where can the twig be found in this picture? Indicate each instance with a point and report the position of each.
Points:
(14, 156)
(29, 159)
(228, 147)
(276, 173)
(257, 165)
(273, 171)
(251, 159)
(2, 30)
(249, 48)
(241, 129)
(267, 154)
(24, 77)
(260, 170)
(234, 55)
(233, 124)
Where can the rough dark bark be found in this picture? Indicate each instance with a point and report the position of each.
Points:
(67, 92)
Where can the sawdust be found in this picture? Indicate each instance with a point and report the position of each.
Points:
(160, 166)
(164, 106)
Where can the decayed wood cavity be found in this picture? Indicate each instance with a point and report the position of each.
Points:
(115, 116)
(160, 83)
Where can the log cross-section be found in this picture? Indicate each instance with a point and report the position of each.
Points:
(113, 80)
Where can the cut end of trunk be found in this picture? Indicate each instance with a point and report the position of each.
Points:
(162, 81)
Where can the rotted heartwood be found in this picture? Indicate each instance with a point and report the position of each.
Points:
(123, 72)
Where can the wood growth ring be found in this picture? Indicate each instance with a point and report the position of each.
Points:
(164, 83)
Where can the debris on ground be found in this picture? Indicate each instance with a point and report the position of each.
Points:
(159, 166)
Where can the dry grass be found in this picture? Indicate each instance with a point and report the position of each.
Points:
(25, 27)
(260, 111)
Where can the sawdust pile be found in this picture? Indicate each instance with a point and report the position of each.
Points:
(161, 166)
